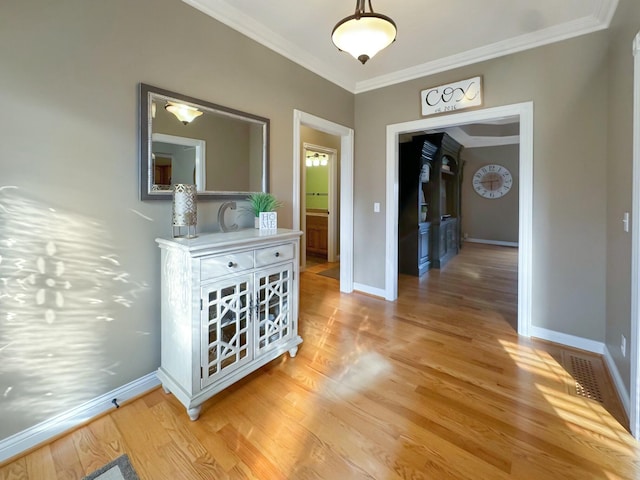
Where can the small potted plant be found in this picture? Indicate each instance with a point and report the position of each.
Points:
(262, 202)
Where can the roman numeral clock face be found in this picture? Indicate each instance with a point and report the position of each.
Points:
(492, 181)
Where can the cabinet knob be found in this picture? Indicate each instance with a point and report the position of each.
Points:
(277, 254)
(231, 264)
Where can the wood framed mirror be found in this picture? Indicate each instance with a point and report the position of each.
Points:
(223, 151)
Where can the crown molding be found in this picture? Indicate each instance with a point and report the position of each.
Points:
(221, 10)
(471, 141)
(237, 20)
(547, 36)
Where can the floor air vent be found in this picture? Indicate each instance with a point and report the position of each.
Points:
(585, 377)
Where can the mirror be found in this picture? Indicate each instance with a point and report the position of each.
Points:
(223, 151)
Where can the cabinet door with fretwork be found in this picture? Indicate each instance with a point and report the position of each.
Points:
(225, 321)
(273, 324)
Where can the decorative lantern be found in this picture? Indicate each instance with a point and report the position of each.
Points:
(185, 211)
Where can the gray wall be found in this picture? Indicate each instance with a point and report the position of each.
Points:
(80, 293)
(619, 158)
(570, 138)
(485, 218)
(79, 311)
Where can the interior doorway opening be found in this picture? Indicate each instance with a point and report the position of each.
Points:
(524, 114)
(458, 187)
(318, 199)
(344, 195)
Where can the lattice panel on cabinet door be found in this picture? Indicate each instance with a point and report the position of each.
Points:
(274, 316)
(225, 322)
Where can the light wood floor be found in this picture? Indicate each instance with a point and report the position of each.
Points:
(436, 385)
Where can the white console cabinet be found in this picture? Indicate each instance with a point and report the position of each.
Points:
(229, 306)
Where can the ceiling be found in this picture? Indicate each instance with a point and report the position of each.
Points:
(432, 36)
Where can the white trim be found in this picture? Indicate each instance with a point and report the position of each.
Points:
(346, 186)
(524, 111)
(44, 431)
(618, 383)
(377, 292)
(598, 19)
(568, 340)
(491, 242)
(475, 141)
(589, 346)
(634, 348)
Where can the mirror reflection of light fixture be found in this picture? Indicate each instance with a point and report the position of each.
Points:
(364, 34)
(317, 160)
(185, 113)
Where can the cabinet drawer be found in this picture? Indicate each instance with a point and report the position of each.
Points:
(233, 262)
(280, 253)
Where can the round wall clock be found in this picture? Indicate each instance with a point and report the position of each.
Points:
(492, 181)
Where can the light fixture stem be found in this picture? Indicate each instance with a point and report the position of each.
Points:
(359, 9)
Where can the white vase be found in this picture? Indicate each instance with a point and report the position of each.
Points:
(185, 210)
(256, 222)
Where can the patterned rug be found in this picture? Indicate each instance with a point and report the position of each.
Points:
(119, 469)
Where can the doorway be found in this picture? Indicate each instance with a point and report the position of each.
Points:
(318, 199)
(524, 113)
(345, 194)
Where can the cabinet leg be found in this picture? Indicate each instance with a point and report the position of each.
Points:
(194, 412)
(293, 352)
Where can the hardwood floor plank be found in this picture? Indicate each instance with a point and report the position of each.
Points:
(16, 470)
(111, 440)
(145, 439)
(260, 465)
(65, 458)
(90, 449)
(436, 385)
(40, 464)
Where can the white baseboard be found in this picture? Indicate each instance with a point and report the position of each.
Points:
(618, 383)
(491, 242)
(589, 346)
(377, 292)
(40, 433)
(568, 340)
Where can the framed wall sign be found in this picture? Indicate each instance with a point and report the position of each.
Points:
(451, 97)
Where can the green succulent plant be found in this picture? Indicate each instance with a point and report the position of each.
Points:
(262, 202)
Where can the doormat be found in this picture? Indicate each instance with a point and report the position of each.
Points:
(119, 469)
(331, 273)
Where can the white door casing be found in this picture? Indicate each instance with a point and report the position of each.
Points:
(523, 111)
(346, 186)
(634, 358)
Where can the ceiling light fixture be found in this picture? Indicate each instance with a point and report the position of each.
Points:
(184, 113)
(317, 160)
(364, 34)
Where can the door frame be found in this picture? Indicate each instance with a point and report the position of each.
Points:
(524, 111)
(634, 350)
(332, 155)
(346, 186)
